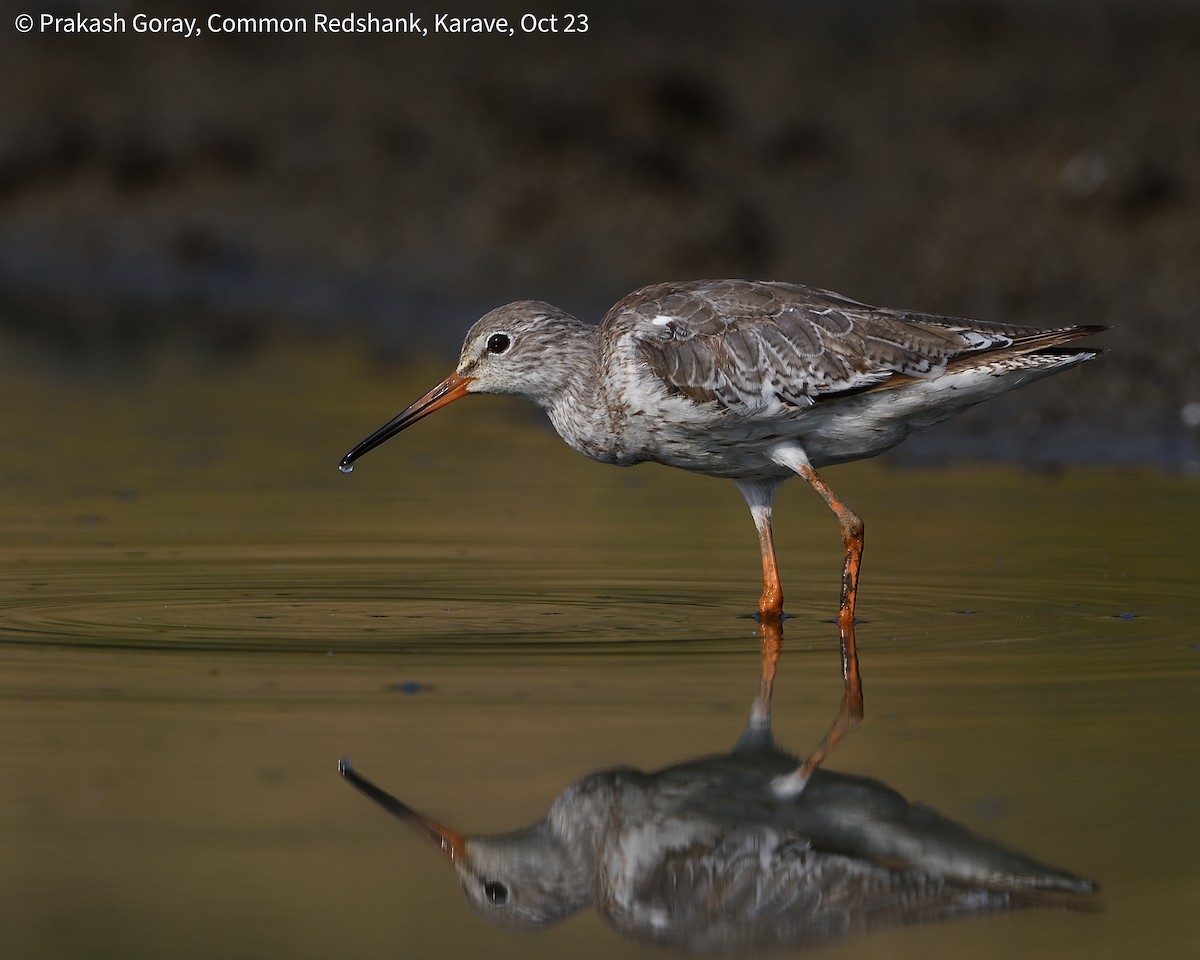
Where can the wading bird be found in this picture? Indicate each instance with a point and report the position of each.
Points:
(750, 380)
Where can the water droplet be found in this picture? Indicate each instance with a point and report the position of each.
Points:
(346, 467)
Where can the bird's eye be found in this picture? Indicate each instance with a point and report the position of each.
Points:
(498, 342)
(496, 892)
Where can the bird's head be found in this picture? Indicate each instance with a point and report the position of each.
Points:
(524, 349)
(520, 350)
(527, 878)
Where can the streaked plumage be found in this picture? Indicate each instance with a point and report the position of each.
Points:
(707, 855)
(754, 381)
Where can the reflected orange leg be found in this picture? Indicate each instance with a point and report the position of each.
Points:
(849, 717)
(851, 712)
(770, 632)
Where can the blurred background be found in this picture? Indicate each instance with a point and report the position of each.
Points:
(225, 259)
(1009, 160)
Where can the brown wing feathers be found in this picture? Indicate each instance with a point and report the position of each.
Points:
(741, 343)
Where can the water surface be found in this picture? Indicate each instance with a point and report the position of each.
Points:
(200, 615)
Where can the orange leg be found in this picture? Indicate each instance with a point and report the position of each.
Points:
(851, 712)
(852, 540)
(760, 496)
(770, 604)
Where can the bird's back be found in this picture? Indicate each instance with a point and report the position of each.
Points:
(753, 360)
(727, 865)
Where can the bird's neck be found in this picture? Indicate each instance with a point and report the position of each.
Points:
(581, 815)
(574, 404)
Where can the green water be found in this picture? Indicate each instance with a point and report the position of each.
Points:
(199, 615)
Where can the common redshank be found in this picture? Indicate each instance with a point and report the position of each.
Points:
(751, 380)
(708, 855)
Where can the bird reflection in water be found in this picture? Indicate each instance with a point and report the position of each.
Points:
(740, 851)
